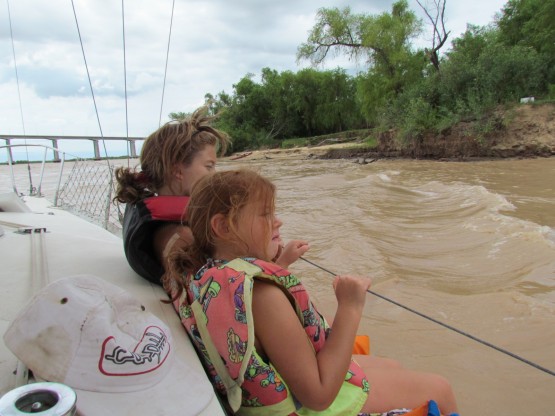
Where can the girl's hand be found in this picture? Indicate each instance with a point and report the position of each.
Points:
(291, 252)
(351, 290)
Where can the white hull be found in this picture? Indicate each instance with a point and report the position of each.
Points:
(72, 246)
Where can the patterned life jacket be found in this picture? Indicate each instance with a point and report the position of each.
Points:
(139, 224)
(220, 322)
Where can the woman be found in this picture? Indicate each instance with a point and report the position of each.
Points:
(172, 159)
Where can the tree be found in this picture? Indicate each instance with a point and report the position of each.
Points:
(436, 16)
(383, 39)
(337, 109)
(335, 31)
(280, 89)
(530, 23)
(178, 116)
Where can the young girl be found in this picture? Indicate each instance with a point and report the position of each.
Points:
(265, 344)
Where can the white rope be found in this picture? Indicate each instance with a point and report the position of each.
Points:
(38, 279)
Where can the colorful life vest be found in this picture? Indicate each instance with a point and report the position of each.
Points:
(139, 224)
(220, 323)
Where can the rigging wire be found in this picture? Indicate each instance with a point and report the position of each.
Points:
(31, 188)
(472, 337)
(91, 87)
(166, 69)
(16, 72)
(125, 80)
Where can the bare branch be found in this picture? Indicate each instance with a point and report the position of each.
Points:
(440, 34)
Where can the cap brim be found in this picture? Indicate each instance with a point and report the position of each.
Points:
(183, 391)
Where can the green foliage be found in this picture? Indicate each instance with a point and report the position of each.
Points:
(291, 143)
(479, 74)
(486, 67)
(494, 73)
(178, 116)
(334, 27)
(484, 126)
(388, 37)
(370, 142)
(418, 118)
(383, 40)
(375, 91)
(286, 105)
(530, 23)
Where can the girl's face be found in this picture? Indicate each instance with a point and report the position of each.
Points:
(258, 226)
(203, 163)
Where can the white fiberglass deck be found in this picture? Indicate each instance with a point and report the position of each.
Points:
(72, 246)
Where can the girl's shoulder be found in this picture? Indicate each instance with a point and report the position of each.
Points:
(267, 267)
(245, 266)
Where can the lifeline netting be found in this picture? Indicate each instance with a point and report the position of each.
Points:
(88, 191)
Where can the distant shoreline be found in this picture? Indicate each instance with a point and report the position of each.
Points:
(526, 131)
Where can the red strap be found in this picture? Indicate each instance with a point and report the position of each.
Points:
(167, 207)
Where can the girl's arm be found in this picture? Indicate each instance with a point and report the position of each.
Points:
(314, 379)
(291, 252)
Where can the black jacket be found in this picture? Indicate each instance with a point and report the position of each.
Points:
(140, 222)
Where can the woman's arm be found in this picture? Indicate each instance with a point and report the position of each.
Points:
(314, 379)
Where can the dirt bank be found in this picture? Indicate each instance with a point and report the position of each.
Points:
(525, 131)
(522, 132)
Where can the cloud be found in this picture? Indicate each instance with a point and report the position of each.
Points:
(214, 43)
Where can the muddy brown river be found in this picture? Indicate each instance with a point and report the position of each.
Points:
(469, 244)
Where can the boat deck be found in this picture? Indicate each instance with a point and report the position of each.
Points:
(71, 246)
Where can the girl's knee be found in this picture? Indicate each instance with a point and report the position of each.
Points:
(373, 362)
(391, 363)
(444, 394)
(439, 385)
(444, 385)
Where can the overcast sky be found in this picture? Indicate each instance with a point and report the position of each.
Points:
(214, 44)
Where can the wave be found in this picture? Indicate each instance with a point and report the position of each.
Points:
(449, 236)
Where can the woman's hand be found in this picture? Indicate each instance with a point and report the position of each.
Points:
(291, 252)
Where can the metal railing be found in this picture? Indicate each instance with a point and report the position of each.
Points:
(84, 187)
(36, 191)
(95, 142)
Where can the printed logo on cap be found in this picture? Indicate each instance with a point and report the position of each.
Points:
(149, 354)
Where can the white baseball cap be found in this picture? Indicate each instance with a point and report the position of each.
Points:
(95, 337)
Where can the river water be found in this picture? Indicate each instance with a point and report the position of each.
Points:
(470, 244)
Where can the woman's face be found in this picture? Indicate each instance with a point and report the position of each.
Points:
(203, 163)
